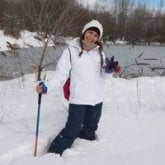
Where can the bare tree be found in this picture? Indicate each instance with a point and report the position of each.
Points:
(120, 12)
(51, 19)
(9, 19)
(136, 26)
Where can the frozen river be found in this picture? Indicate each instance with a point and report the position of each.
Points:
(135, 61)
(142, 60)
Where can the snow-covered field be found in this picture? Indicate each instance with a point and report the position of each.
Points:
(131, 130)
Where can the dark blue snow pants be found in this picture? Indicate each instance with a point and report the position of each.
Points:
(82, 122)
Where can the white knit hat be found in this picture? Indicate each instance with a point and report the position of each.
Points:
(94, 23)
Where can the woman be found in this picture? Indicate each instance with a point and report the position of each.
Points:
(83, 60)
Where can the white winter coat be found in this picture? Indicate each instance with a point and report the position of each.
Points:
(87, 82)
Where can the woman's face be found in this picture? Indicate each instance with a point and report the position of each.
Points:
(91, 36)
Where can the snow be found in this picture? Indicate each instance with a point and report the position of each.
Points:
(131, 129)
(26, 40)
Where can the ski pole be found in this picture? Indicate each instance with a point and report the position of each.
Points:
(37, 124)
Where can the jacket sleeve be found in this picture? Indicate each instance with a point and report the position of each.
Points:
(104, 58)
(104, 63)
(61, 73)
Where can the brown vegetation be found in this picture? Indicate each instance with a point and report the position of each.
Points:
(124, 20)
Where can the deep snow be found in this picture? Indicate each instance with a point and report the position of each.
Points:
(131, 130)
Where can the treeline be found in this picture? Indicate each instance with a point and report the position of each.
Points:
(124, 20)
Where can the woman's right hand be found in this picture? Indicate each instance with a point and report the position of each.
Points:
(39, 89)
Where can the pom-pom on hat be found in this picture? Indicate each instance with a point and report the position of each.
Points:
(94, 24)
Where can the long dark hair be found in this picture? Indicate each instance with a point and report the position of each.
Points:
(100, 51)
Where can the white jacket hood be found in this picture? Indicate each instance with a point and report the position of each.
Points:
(76, 43)
(87, 82)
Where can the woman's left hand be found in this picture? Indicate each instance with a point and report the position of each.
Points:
(111, 65)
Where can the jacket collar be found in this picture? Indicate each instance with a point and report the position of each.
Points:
(75, 43)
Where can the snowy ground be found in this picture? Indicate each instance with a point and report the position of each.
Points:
(131, 130)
